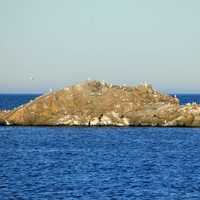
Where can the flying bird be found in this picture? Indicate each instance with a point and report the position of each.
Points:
(31, 78)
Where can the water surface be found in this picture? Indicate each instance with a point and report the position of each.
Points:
(50, 163)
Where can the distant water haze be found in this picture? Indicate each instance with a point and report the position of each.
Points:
(51, 44)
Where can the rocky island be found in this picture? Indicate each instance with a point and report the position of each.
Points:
(95, 103)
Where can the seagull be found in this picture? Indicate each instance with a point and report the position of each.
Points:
(145, 84)
(7, 123)
(31, 78)
(103, 82)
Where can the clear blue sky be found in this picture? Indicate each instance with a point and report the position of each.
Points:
(61, 42)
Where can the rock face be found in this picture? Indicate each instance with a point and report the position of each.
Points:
(95, 103)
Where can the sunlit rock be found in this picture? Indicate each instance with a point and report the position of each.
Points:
(97, 103)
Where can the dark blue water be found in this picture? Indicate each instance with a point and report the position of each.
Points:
(185, 98)
(48, 163)
(9, 101)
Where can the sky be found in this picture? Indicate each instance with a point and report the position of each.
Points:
(62, 42)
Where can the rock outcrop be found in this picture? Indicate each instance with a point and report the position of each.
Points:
(95, 103)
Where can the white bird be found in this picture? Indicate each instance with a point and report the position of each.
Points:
(50, 90)
(31, 78)
(145, 84)
(66, 89)
(103, 82)
(7, 123)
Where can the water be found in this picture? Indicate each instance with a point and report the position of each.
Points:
(9, 101)
(49, 163)
(185, 98)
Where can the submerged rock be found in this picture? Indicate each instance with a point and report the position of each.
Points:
(95, 103)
